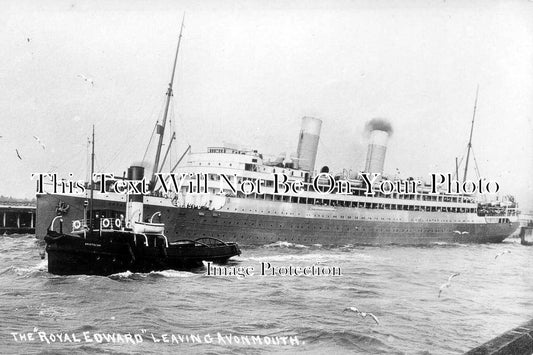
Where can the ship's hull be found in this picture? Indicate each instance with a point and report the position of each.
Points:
(248, 227)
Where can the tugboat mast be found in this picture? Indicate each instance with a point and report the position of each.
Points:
(161, 128)
(92, 185)
(470, 140)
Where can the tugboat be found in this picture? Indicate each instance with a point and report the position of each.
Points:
(105, 246)
(110, 250)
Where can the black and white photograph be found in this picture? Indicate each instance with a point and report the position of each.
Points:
(258, 177)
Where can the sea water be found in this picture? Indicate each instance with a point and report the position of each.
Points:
(281, 312)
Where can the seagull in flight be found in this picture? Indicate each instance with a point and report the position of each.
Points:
(362, 314)
(89, 80)
(18, 155)
(39, 141)
(459, 232)
(448, 283)
(503, 252)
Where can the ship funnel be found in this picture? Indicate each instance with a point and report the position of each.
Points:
(134, 205)
(308, 143)
(379, 131)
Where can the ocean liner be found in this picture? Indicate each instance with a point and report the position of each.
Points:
(310, 216)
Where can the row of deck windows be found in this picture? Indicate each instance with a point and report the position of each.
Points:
(354, 204)
(362, 192)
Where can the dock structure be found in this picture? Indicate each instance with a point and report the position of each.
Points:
(516, 341)
(17, 218)
(526, 234)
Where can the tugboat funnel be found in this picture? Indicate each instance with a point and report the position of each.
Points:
(134, 205)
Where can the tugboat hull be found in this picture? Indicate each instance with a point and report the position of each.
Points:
(119, 252)
(69, 255)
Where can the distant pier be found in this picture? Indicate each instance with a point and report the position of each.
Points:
(526, 234)
(17, 218)
(516, 341)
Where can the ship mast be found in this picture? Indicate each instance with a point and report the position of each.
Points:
(161, 128)
(92, 185)
(470, 140)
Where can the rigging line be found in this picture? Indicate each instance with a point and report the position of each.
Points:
(135, 128)
(64, 162)
(150, 141)
(172, 133)
(461, 161)
(96, 163)
(457, 168)
(175, 148)
(475, 163)
(112, 159)
(155, 127)
(173, 130)
(80, 170)
(180, 119)
(171, 140)
(177, 117)
(81, 166)
(176, 165)
(168, 150)
(162, 107)
(101, 168)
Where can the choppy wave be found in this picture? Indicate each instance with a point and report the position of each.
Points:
(55, 312)
(123, 275)
(26, 271)
(311, 257)
(444, 244)
(399, 284)
(128, 275)
(359, 341)
(173, 273)
(285, 244)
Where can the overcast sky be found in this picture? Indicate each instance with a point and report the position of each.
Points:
(248, 71)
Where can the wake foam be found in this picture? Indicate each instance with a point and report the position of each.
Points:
(285, 244)
(42, 266)
(172, 273)
(128, 275)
